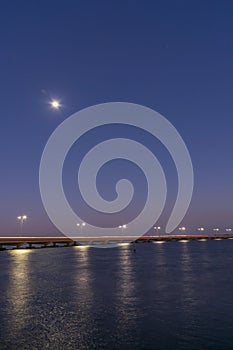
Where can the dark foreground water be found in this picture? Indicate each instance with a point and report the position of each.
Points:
(165, 296)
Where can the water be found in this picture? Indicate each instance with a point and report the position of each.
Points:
(163, 296)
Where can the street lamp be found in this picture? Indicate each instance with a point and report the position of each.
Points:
(81, 225)
(21, 219)
(201, 229)
(122, 227)
(216, 229)
(182, 229)
(228, 229)
(157, 228)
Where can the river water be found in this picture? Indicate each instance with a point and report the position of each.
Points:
(172, 296)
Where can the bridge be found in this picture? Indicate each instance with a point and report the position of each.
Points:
(49, 242)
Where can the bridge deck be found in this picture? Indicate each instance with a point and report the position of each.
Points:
(53, 241)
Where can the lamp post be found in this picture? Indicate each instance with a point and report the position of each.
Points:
(216, 229)
(122, 227)
(21, 219)
(182, 229)
(157, 228)
(81, 225)
(228, 229)
(201, 229)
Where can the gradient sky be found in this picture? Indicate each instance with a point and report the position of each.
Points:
(173, 56)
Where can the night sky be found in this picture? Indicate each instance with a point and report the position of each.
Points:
(175, 57)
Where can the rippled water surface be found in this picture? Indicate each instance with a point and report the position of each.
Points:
(163, 296)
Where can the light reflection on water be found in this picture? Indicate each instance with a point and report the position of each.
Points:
(161, 296)
(19, 289)
(83, 295)
(126, 310)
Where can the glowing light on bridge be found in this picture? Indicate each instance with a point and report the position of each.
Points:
(82, 224)
(157, 228)
(21, 219)
(122, 227)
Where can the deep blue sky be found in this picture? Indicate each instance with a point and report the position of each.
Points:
(173, 56)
